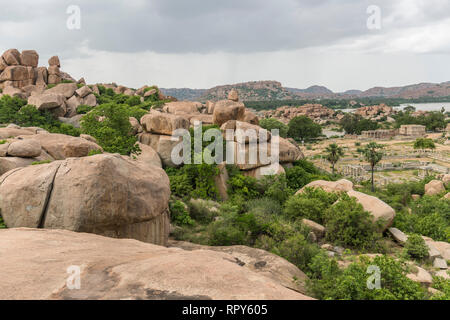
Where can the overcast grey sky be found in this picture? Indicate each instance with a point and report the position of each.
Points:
(203, 43)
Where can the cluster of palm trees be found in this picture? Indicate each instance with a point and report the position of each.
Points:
(372, 154)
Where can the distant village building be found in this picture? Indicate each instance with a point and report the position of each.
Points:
(412, 130)
(379, 134)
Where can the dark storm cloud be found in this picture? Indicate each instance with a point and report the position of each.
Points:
(180, 26)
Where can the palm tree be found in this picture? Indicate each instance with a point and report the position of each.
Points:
(333, 154)
(373, 156)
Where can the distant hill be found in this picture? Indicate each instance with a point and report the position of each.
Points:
(315, 90)
(250, 91)
(273, 90)
(184, 93)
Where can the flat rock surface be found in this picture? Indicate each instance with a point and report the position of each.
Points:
(36, 262)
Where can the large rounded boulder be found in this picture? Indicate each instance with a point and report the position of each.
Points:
(105, 194)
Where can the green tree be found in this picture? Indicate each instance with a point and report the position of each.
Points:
(373, 156)
(333, 154)
(272, 123)
(110, 125)
(302, 127)
(409, 109)
(355, 124)
(424, 143)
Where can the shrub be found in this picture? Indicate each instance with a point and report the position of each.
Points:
(2, 223)
(221, 234)
(202, 210)
(348, 224)
(443, 285)
(275, 187)
(244, 186)
(113, 132)
(9, 107)
(310, 204)
(297, 250)
(83, 109)
(133, 101)
(178, 213)
(416, 248)
(329, 282)
(180, 184)
(194, 181)
(263, 206)
(15, 110)
(94, 152)
(430, 216)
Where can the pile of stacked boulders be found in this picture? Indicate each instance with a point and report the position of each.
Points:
(316, 112)
(20, 70)
(21, 77)
(375, 112)
(20, 147)
(156, 128)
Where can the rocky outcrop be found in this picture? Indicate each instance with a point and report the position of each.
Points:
(375, 112)
(163, 123)
(104, 194)
(30, 144)
(127, 269)
(316, 112)
(342, 185)
(63, 99)
(258, 261)
(19, 70)
(183, 107)
(226, 110)
(21, 77)
(60, 146)
(162, 144)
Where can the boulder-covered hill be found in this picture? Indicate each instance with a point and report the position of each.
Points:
(184, 93)
(250, 91)
(273, 90)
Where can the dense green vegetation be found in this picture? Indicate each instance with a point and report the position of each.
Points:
(416, 248)
(15, 110)
(303, 128)
(433, 121)
(113, 132)
(267, 214)
(331, 282)
(341, 103)
(428, 216)
(355, 124)
(109, 121)
(424, 143)
(272, 123)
